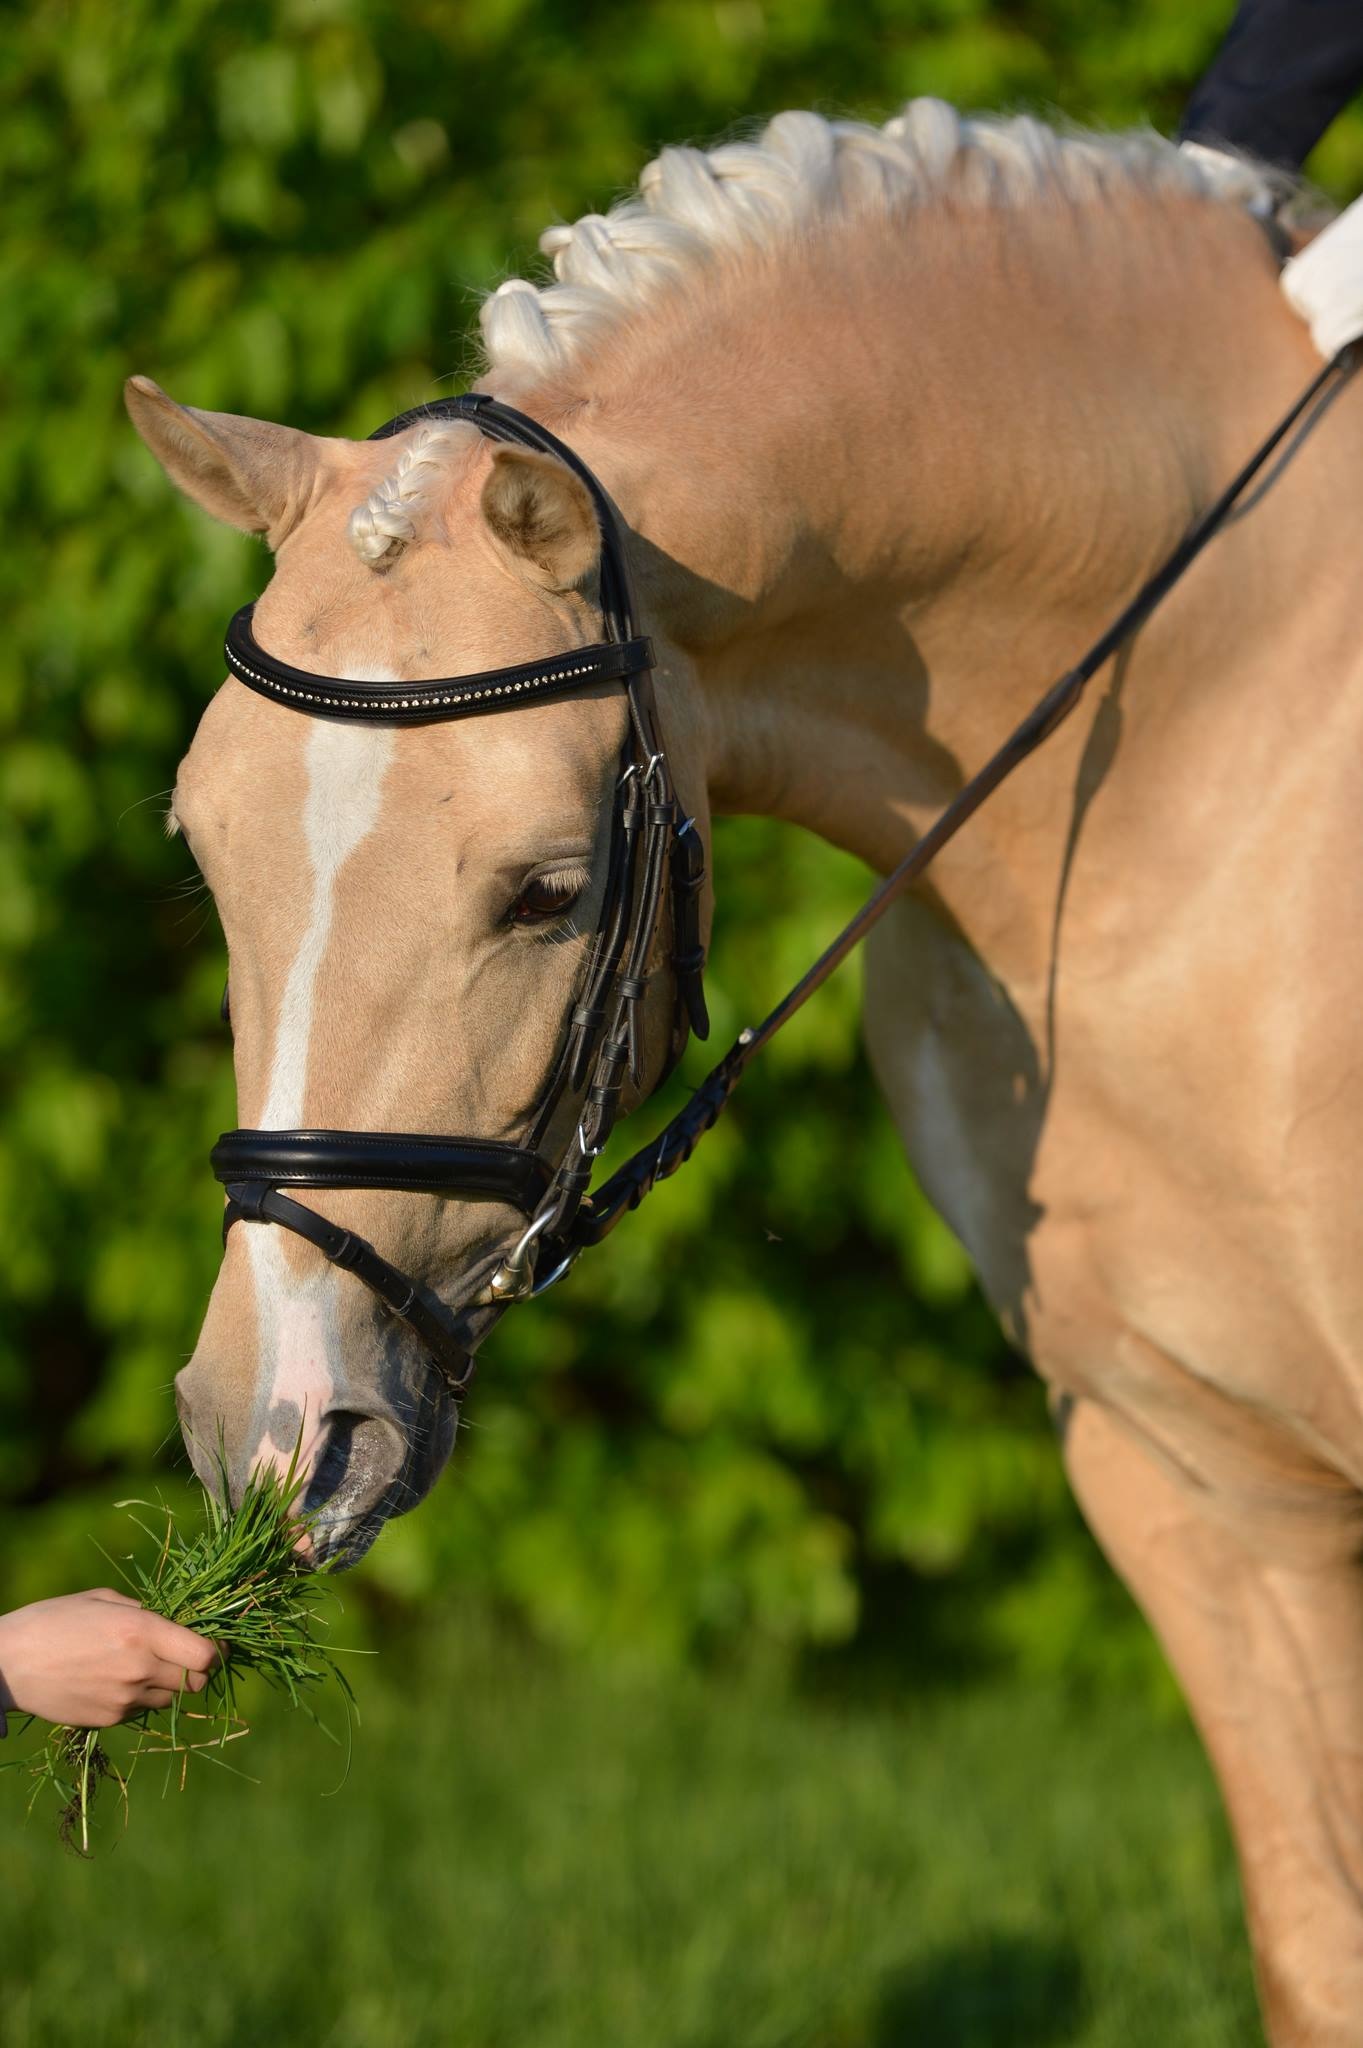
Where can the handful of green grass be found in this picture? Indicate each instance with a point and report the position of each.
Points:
(238, 1580)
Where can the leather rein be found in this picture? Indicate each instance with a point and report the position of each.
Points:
(656, 861)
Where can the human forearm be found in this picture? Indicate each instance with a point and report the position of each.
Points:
(1285, 70)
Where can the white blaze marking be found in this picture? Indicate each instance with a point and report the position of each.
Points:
(296, 1313)
(346, 765)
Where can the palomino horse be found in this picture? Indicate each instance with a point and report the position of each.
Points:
(895, 420)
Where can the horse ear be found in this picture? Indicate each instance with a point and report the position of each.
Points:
(250, 473)
(542, 515)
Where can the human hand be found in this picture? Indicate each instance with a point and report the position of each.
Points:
(91, 1659)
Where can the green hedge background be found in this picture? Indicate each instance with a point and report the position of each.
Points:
(290, 210)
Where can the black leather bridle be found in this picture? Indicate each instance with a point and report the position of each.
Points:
(655, 855)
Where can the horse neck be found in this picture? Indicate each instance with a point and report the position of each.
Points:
(886, 493)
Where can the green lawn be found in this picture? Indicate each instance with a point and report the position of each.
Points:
(531, 1855)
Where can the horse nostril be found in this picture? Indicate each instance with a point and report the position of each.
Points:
(370, 1468)
(359, 1458)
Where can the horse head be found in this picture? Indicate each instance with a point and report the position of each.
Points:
(435, 811)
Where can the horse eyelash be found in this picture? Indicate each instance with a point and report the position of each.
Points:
(555, 934)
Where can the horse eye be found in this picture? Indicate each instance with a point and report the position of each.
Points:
(547, 897)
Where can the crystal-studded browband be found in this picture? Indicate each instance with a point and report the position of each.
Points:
(433, 697)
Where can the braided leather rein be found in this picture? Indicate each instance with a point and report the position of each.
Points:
(675, 1143)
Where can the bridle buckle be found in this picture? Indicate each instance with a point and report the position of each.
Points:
(514, 1279)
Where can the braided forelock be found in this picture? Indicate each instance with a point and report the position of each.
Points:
(390, 516)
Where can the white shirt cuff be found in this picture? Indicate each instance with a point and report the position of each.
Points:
(1324, 284)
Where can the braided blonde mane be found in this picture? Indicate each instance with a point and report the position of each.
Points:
(694, 206)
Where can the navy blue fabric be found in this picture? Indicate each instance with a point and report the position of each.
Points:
(1286, 68)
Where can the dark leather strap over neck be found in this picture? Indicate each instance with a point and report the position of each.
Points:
(631, 1183)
